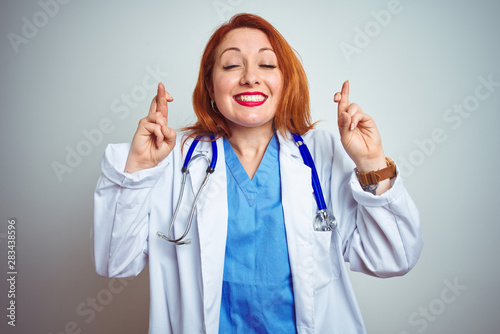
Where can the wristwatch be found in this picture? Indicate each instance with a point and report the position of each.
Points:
(375, 176)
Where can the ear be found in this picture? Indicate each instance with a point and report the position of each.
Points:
(209, 87)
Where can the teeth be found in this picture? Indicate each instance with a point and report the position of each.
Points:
(250, 98)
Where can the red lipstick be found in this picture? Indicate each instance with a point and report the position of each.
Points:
(250, 99)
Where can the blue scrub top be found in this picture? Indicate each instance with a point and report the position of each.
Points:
(257, 295)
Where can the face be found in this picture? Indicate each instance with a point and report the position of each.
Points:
(247, 81)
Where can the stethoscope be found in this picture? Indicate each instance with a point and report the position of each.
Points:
(324, 221)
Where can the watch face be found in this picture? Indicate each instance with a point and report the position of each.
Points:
(371, 188)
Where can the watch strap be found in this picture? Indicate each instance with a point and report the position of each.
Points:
(375, 176)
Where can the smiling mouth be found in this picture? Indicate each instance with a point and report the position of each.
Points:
(250, 98)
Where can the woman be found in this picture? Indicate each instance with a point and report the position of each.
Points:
(255, 262)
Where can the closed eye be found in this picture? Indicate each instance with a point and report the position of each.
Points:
(268, 66)
(229, 67)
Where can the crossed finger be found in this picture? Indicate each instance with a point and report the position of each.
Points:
(159, 103)
(343, 98)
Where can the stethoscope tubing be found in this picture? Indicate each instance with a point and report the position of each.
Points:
(185, 171)
(308, 160)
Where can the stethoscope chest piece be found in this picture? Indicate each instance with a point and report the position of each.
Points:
(324, 221)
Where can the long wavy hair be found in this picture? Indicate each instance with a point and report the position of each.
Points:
(293, 114)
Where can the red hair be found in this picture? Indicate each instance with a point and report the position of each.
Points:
(293, 112)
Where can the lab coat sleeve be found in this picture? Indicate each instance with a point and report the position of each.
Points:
(121, 214)
(387, 239)
(380, 235)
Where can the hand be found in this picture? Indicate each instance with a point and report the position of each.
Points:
(154, 140)
(359, 134)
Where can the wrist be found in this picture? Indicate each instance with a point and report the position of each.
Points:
(368, 165)
(131, 167)
(376, 175)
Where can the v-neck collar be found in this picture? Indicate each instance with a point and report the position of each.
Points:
(251, 187)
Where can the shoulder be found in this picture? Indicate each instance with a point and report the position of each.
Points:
(318, 132)
(321, 143)
(183, 137)
(184, 141)
(322, 140)
(326, 148)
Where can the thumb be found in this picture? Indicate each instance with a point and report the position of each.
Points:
(344, 122)
(169, 134)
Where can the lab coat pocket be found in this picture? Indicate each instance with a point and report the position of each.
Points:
(326, 262)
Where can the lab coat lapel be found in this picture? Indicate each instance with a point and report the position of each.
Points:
(296, 193)
(211, 218)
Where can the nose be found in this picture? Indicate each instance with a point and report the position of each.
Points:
(250, 76)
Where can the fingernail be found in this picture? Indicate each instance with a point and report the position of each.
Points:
(352, 126)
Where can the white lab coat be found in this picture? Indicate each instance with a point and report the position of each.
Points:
(377, 235)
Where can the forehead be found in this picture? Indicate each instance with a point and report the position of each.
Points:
(244, 39)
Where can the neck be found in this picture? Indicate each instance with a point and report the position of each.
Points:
(250, 144)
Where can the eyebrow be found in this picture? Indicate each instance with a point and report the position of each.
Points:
(238, 50)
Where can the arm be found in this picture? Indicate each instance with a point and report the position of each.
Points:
(122, 196)
(380, 232)
(361, 139)
(121, 214)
